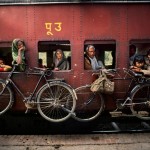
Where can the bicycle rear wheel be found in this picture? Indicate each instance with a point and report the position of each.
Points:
(140, 102)
(56, 101)
(89, 105)
(6, 97)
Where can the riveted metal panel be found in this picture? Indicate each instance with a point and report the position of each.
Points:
(75, 23)
(100, 21)
(138, 21)
(13, 22)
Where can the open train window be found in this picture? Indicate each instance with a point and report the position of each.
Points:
(105, 51)
(5, 52)
(138, 47)
(47, 49)
(141, 46)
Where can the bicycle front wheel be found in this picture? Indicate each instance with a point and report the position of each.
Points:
(140, 102)
(89, 105)
(56, 101)
(6, 97)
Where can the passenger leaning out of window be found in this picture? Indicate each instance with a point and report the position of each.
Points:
(139, 65)
(90, 60)
(4, 67)
(18, 54)
(60, 62)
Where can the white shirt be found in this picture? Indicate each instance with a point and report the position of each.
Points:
(94, 63)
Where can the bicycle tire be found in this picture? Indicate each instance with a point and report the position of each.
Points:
(6, 97)
(89, 104)
(56, 101)
(140, 102)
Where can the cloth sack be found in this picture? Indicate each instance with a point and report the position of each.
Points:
(102, 85)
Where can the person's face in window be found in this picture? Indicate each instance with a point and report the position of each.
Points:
(139, 64)
(148, 56)
(59, 55)
(20, 45)
(91, 52)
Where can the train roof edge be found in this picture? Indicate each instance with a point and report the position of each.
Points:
(30, 2)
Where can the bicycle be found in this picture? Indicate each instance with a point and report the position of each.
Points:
(137, 100)
(55, 100)
(139, 97)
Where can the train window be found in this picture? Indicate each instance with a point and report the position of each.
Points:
(105, 51)
(5, 52)
(138, 47)
(46, 53)
(141, 46)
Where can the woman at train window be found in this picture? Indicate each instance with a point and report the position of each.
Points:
(90, 60)
(60, 62)
(4, 67)
(18, 54)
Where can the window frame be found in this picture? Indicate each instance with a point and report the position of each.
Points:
(56, 44)
(98, 43)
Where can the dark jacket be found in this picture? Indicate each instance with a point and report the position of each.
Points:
(87, 63)
(63, 63)
(88, 66)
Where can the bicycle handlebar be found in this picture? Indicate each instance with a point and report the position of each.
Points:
(40, 69)
(46, 71)
(113, 71)
(132, 73)
(109, 72)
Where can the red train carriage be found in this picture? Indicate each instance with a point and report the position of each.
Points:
(111, 26)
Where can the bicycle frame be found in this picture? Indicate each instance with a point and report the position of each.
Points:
(55, 100)
(139, 80)
(89, 102)
(29, 98)
(128, 91)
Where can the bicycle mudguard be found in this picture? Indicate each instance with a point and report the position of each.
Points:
(6, 83)
(135, 88)
(2, 80)
(63, 81)
(56, 81)
(59, 79)
(11, 92)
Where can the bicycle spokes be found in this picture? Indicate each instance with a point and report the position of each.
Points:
(140, 104)
(56, 102)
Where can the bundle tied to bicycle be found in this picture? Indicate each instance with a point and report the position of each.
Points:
(103, 84)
